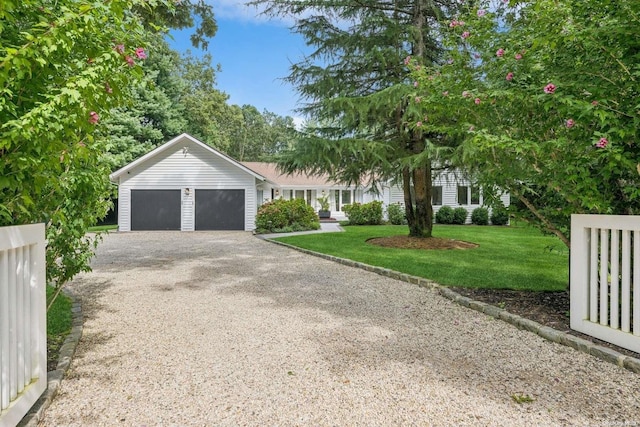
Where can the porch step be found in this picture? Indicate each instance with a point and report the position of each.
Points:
(328, 220)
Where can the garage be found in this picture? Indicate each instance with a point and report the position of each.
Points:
(186, 185)
(220, 209)
(155, 210)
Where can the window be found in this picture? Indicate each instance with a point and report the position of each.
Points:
(346, 197)
(436, 195)
(300, 194)
(475, 195)
(463, 198)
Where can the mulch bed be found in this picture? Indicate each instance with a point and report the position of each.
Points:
(547, 308)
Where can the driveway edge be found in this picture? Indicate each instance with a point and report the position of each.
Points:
(54, 378)
(608, 355)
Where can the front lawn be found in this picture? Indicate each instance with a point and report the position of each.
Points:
(515, 257)
(59, 322)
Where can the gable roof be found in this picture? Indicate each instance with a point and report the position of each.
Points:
(180, 139)
(271, 173)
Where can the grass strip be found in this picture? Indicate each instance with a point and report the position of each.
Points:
(513, 257)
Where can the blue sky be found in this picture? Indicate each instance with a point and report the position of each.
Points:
(255, 54)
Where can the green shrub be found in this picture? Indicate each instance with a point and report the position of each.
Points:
(364, 214)
(445, 215)
(282, 216)
(499, 215)
(396, 214)
(480, 216)
(459, 215)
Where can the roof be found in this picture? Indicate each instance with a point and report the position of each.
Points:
(181, 139)
(271, 173)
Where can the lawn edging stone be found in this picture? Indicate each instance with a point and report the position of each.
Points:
(580, 344)
(65, 355)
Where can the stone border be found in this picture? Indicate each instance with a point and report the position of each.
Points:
(550, 334)
(54, 378)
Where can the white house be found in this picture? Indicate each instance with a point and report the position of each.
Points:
(186, 185)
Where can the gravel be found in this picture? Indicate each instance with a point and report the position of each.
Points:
(224, 329)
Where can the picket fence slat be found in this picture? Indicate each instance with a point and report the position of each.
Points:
(23, 345)
(605, 278)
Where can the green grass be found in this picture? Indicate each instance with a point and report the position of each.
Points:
(59, 321)
(103, 228)
(59, 316)
(516, 257)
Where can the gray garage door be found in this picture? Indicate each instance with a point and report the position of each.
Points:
(155, 209)
(219, 209)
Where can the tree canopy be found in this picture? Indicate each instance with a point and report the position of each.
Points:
(354, 83)
(544, 95)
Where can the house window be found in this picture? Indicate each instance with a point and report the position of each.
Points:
(463, 197)
(300, 194)
(475, 195)
(336, 195)
(309, 197)
(436, 195)
(346, 197)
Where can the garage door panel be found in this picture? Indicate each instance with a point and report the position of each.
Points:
(220, 209)
(155, 209)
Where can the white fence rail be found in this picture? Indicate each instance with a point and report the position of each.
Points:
(605, 278)
(23, 331)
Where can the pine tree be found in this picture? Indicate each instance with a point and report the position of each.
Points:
(355, 85)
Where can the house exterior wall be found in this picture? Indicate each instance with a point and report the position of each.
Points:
(449, 184)
(186, 166)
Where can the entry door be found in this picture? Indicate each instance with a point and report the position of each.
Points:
(220, 209)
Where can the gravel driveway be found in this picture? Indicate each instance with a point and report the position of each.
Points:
(224, 329)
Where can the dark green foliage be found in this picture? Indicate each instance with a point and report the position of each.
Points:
(364, 214)
(459, 215)
(281, 216)
(480, 216)
(445, 215)
(499, 215)
(396, 214)
(355, 87)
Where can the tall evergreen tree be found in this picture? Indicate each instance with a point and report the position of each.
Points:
(356, 85)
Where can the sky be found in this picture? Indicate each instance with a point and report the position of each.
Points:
(255, 54)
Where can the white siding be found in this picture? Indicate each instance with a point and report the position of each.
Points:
(187, 219)
(180, 168)
(449, 183)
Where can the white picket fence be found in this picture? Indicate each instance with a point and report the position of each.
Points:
(605, 278)
(23, 330)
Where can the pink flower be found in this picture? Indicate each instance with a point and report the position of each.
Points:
(500, 53)
(466, 94)
(407, 60)
(509, 76)
(550, 88)
(419, 124)
(466, 34)
(602, 143)
(445, 93)
(461, 23)
(594, 103)
(570, 123)
(453, 24)
(481, 12)
(94, 118)
(415, 84)
(518, 56)
(119, 48)
(140, 53)
(477, 101)
(476, 55)
(130, 61)
(418, 99)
